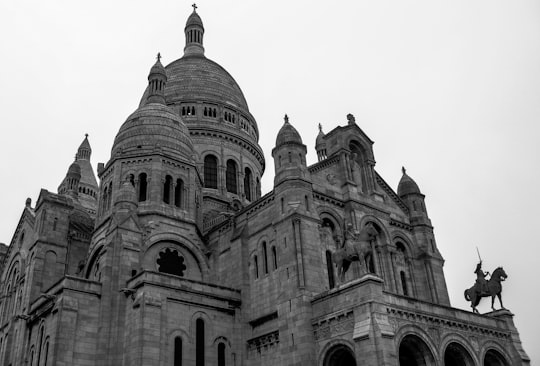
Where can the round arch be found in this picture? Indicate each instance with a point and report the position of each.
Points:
(339, 355)
(415, 348)
(455, 354)
(493, 357)
(383, 232)
(181, 240)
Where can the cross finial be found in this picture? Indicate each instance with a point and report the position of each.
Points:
(403, 170)
(194, 7)
(286, 118)
(320, 127)
(158, 56)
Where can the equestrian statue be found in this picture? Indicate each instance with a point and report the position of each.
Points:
(485, 288)
(355, 247)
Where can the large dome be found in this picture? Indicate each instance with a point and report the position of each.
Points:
(199, 78)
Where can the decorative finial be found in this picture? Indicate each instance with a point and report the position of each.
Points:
(194, 7)
(351, 119)
(85, 135)
(158, 56)
(320, 127)
(286, 118)
(403, 170)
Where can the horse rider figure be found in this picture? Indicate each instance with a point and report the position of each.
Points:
(481, 282)
(350, 237)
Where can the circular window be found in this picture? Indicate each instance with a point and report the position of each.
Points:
(171, 262)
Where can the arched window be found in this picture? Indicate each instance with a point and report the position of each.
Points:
(265, 257)
(210, 171)
(40, 345)
(221, 354)
(167, 189)
(143, 186)
(306, 201)
(330, 269)
(178, 351)
(230, 177)
(274, 257)
(256, 265)
(46, 354)
(247, 183)
(199, 342)
(404, 283)
(170, 261)
(178, 192)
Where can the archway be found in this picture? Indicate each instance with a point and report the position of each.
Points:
(413, 351)
(456, 355)
(494, 358)
(340, 355)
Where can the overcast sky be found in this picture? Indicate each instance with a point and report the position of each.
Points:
(449, 89)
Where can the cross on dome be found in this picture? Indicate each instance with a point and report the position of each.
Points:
(286, 119)
(194, 7)
(158, 56)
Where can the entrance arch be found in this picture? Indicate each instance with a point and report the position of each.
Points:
(413, 351)
(456, 355)
(339, 355)
(494, 358)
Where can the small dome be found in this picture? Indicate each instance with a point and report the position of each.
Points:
(288, 134)
(194, 19)
(407, 185)
(74, 170)
(157, 68)
(154, 126)
(126, 195)
(319, 142)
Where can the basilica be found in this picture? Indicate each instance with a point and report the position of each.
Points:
(172, 255)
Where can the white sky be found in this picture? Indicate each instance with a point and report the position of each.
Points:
(451, 90)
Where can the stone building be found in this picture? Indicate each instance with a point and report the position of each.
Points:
(176, 258)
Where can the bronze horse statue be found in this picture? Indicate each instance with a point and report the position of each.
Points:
(354, 248)
(493, 288)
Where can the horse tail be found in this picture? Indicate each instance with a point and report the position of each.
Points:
(466, 294)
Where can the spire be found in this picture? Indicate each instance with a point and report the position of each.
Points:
(194, 32)
(156, 82)
(84, 151)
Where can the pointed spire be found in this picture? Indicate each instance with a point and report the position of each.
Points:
(194, 32)
(84, 151)
(156, 82)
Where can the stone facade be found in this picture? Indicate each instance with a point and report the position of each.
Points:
(176, 258)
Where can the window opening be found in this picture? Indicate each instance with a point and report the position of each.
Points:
(167, 189)
(199, 343)
(178, 189)
(171, 262)
(178, 351)
(142, 187)
(221, 354)
(230, 177)
(210, 171)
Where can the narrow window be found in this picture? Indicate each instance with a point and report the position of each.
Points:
(414, 205)
(221, 354)
(290, 157)
(256, 263)
(199, 343)
(306, 202)
(230, 177)
(167, 189)
(193, 111)
(142, 187)
(404, 283)
(178, 351)
(265, 257)
(39, 345)
(178, 192)
(247, 183)
(330, 269)
(210, 171)
(274, 257)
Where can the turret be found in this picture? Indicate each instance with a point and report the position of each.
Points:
(409, 192)
(156, 83)
(289, 155)
(320, 145)
(73, 177)
(194, 32)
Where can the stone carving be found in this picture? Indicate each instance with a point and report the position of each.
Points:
(334, 326)
(483, 288)
(263, 342)
(355, 247)
(331, 178)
